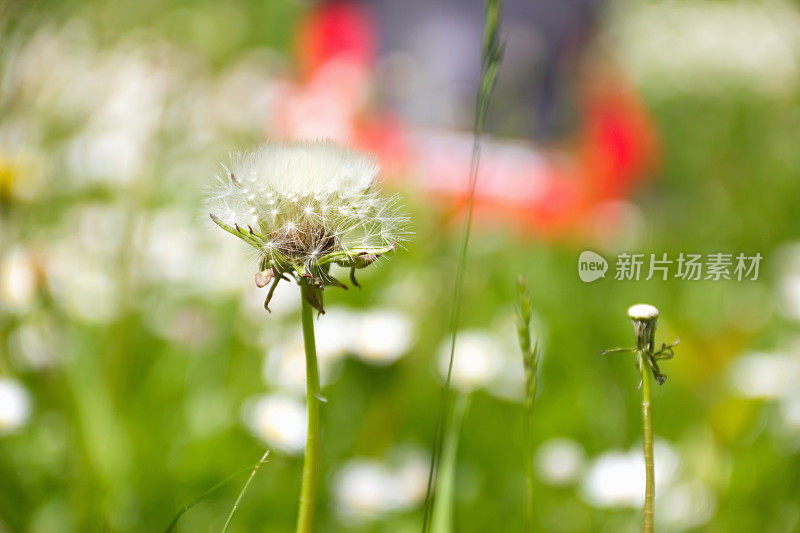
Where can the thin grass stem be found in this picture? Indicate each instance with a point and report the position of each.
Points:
(445, 490)
(491, 58)
(206, 494)
(244, 489)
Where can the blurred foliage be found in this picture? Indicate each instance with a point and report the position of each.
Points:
(129, 424)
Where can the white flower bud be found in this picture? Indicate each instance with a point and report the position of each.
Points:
(642, 312)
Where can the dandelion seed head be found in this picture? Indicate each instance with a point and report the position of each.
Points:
(307, 200)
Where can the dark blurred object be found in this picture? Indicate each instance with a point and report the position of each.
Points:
(544, 43)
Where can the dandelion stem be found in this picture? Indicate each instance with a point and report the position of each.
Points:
(308, 491)
(645, 319)
(647, 417)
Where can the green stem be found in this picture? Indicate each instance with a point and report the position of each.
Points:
(442, 520)
(308, 491)
(530, 359)
(528, 455)
(491, 57)
(647, 416)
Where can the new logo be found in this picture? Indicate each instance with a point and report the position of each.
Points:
(591, 266)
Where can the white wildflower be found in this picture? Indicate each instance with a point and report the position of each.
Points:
(383, 336)
(477, 362)
(616, 478)
(559, 461)
(17, 280)
(686, 505)
(277, 419)
(304, 207)
(15, 405)
(764, 375)
(369, 488)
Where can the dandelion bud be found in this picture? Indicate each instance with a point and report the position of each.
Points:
(644, 318)
(642, 312)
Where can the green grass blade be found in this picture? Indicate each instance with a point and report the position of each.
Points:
(207, 493)
(446, 487)
(244, 489)
(492, 53)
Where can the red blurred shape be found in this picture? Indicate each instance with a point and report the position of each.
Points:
(336, 30)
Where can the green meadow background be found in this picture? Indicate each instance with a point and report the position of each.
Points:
(138, 337)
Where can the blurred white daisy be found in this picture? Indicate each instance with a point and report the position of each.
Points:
(364, 488)
(686, 505)
(36, 343)
(764, 375)
(379, 337)
(369, 488)
(790, 413)
(479, 359)
(617, 478)
(17, 280)
(383, 336)
(279, 420)
(559, 461)
(15, 405)
(285, 364)
(336, 335)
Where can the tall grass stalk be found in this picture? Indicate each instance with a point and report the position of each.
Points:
(492, 52)
(529, 345)
(308, 490)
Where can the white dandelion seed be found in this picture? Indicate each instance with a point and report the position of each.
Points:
(316, 204)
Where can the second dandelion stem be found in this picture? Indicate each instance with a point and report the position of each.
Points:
(647, 417)
(308, 491)
(644, 320)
